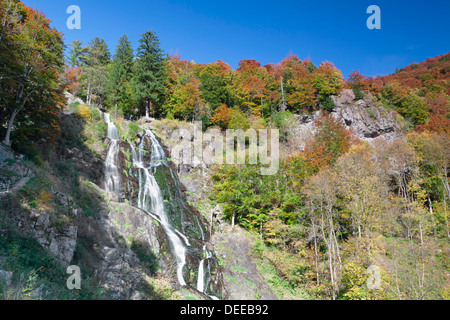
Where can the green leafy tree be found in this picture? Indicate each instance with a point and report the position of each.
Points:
(407, 102)
(31, 88)
(327, 80)
(76, 53)
(95, 68)
(359, 94)
(215, 84)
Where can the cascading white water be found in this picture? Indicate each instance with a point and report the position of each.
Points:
(150, 199)
(201, 271)
(112, 179)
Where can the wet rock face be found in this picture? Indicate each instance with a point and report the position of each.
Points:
(182, 217)
(147, 146)
(129, 186)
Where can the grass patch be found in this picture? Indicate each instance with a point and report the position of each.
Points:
(282, 288)
(36, 274)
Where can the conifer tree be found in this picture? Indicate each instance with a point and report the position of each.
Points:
(121, 73)
(149, 73)
(76, 54)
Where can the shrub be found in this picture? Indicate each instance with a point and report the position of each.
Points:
(283, 120)
(101, 130)
(84, 112)
(30, 151)
(133, 130)
(74, 105)
(328, 104)
(359, 95)
(371, 112)
(238, 120)
(95, 115)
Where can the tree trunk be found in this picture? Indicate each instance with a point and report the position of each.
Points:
(260, 230)
(88, 94)
(315, 249)
(282, 90)
(445, 215)
(7, 140)
(429, 205)
(147, 109)
(232, 220)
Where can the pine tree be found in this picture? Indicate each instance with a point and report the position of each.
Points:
(121, 73)
(149, 72)
(75, 57)
(97, 53)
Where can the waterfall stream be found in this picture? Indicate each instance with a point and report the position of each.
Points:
(201, 271)
(150, 199)
(146, 166)
(112, 180)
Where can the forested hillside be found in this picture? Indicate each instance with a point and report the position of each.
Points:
(341, 204)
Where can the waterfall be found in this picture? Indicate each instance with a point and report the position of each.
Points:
(150, 199)
(201, 271)
(112, 178)
(201, 276)
(146, 165)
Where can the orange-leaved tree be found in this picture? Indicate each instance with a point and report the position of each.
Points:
(330, 141)
(33, 88)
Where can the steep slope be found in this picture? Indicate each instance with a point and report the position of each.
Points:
(123, 251)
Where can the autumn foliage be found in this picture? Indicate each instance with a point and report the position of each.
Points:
(419, 92)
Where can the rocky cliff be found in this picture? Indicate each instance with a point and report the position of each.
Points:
(367, 118)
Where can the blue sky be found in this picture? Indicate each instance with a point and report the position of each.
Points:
(206, 31)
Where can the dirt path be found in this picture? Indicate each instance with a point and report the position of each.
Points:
(19, 185)
(242, 279)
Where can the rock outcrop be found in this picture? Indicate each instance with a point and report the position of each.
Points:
(127, 245)
(57, 234)
(71, 99)
(366, 118)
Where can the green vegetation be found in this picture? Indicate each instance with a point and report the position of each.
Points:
(359, 94)
(328, 104)
(269, 267)
(36, 274)
(322, 224)
(331, 212)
